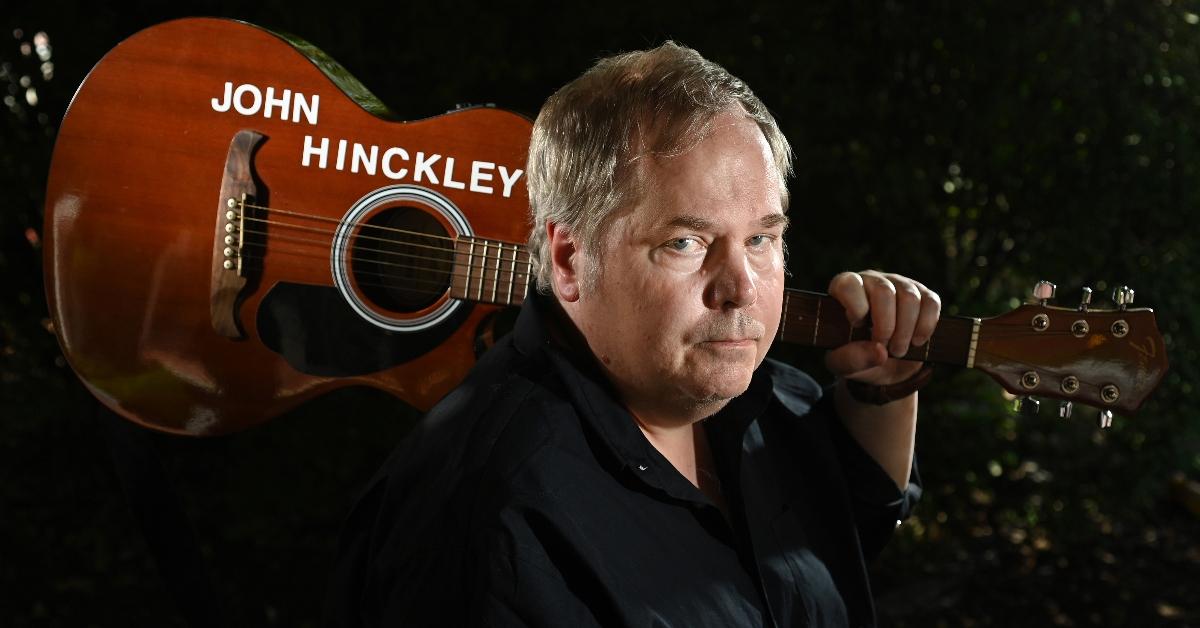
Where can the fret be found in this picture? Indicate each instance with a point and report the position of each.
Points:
(783, 322)
(974, 343)
(817, 321)
(496, 276)
(482, 271)
(470, 266)
(512, 275)
(528, 272)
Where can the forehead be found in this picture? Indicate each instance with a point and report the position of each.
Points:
(731, 171)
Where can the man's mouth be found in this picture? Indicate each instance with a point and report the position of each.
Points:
(732, 342)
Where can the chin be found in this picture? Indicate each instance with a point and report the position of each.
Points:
(722, 385)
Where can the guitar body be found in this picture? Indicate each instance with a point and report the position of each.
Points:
(189, 308)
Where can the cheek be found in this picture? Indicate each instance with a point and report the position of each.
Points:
(768, 263)
(770, 301)
(657, 315)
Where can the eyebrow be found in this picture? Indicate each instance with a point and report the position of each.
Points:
(772, 220)
(700, 224)
(690, 222)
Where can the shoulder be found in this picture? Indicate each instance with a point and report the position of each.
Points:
(795, 389)
(495, 417)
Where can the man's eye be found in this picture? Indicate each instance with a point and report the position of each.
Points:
(761, 239)
(681, 244)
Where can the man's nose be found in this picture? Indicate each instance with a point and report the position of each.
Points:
(733, 280)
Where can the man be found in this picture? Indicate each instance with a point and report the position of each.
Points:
(627, 457)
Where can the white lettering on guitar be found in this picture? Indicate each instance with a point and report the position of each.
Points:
(250, 100)
(396, 163)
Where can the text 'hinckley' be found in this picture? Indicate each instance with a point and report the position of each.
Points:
(394, 162)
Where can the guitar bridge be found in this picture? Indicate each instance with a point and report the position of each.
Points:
(230, 240)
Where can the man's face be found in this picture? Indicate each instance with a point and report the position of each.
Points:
(690, 283)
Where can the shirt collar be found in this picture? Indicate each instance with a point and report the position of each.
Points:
(597, 402)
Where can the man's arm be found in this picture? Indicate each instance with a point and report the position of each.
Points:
(885, 432)
(902, 312)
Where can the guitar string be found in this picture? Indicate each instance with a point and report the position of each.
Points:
(497, 275)
(360, 236)
(438, 286)
(433, 285)
(798, 299)
(486, 262)
(487, 258)
(489, 276)
(340, 222)
(994, 331)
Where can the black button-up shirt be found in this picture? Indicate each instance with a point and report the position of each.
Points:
(529, 497)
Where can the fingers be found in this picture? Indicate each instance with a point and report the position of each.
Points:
(868, 292)
(848, 289)
(903, 312)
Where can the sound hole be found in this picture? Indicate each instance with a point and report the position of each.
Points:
(402, 259)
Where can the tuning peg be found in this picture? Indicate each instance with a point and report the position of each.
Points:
(1085, 300)
(1043, 291)
(1104, 419)
(1123, 297)
(1027, 406)
(1064, 410)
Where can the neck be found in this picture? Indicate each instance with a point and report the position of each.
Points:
(677, 443)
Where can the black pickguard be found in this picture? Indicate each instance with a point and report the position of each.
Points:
(316, 332)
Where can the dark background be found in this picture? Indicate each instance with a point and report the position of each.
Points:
(977, 146)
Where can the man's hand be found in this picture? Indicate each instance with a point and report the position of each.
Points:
(902, 312)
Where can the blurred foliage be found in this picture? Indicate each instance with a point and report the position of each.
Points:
(976, 146)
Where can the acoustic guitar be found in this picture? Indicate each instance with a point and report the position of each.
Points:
(234, 225)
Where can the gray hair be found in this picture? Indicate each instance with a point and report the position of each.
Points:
(591, 132)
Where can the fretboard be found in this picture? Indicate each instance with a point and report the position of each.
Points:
(818, 320)
(490, 271)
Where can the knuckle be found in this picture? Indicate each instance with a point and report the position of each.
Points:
(844, 280)
(908, 293)
(882, 286)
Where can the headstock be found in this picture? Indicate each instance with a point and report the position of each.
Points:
(1111, 359)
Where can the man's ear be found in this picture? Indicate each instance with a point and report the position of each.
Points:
(566, 262)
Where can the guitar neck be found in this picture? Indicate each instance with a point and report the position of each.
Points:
(817, 320)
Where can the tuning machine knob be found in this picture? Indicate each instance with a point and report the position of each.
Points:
(1104, 419)
(1043, 291)
(1085, 299)
(1027, 406)
(1123, 297)
(1064, 410)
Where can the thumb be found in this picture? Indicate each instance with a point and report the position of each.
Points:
(855, 357)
